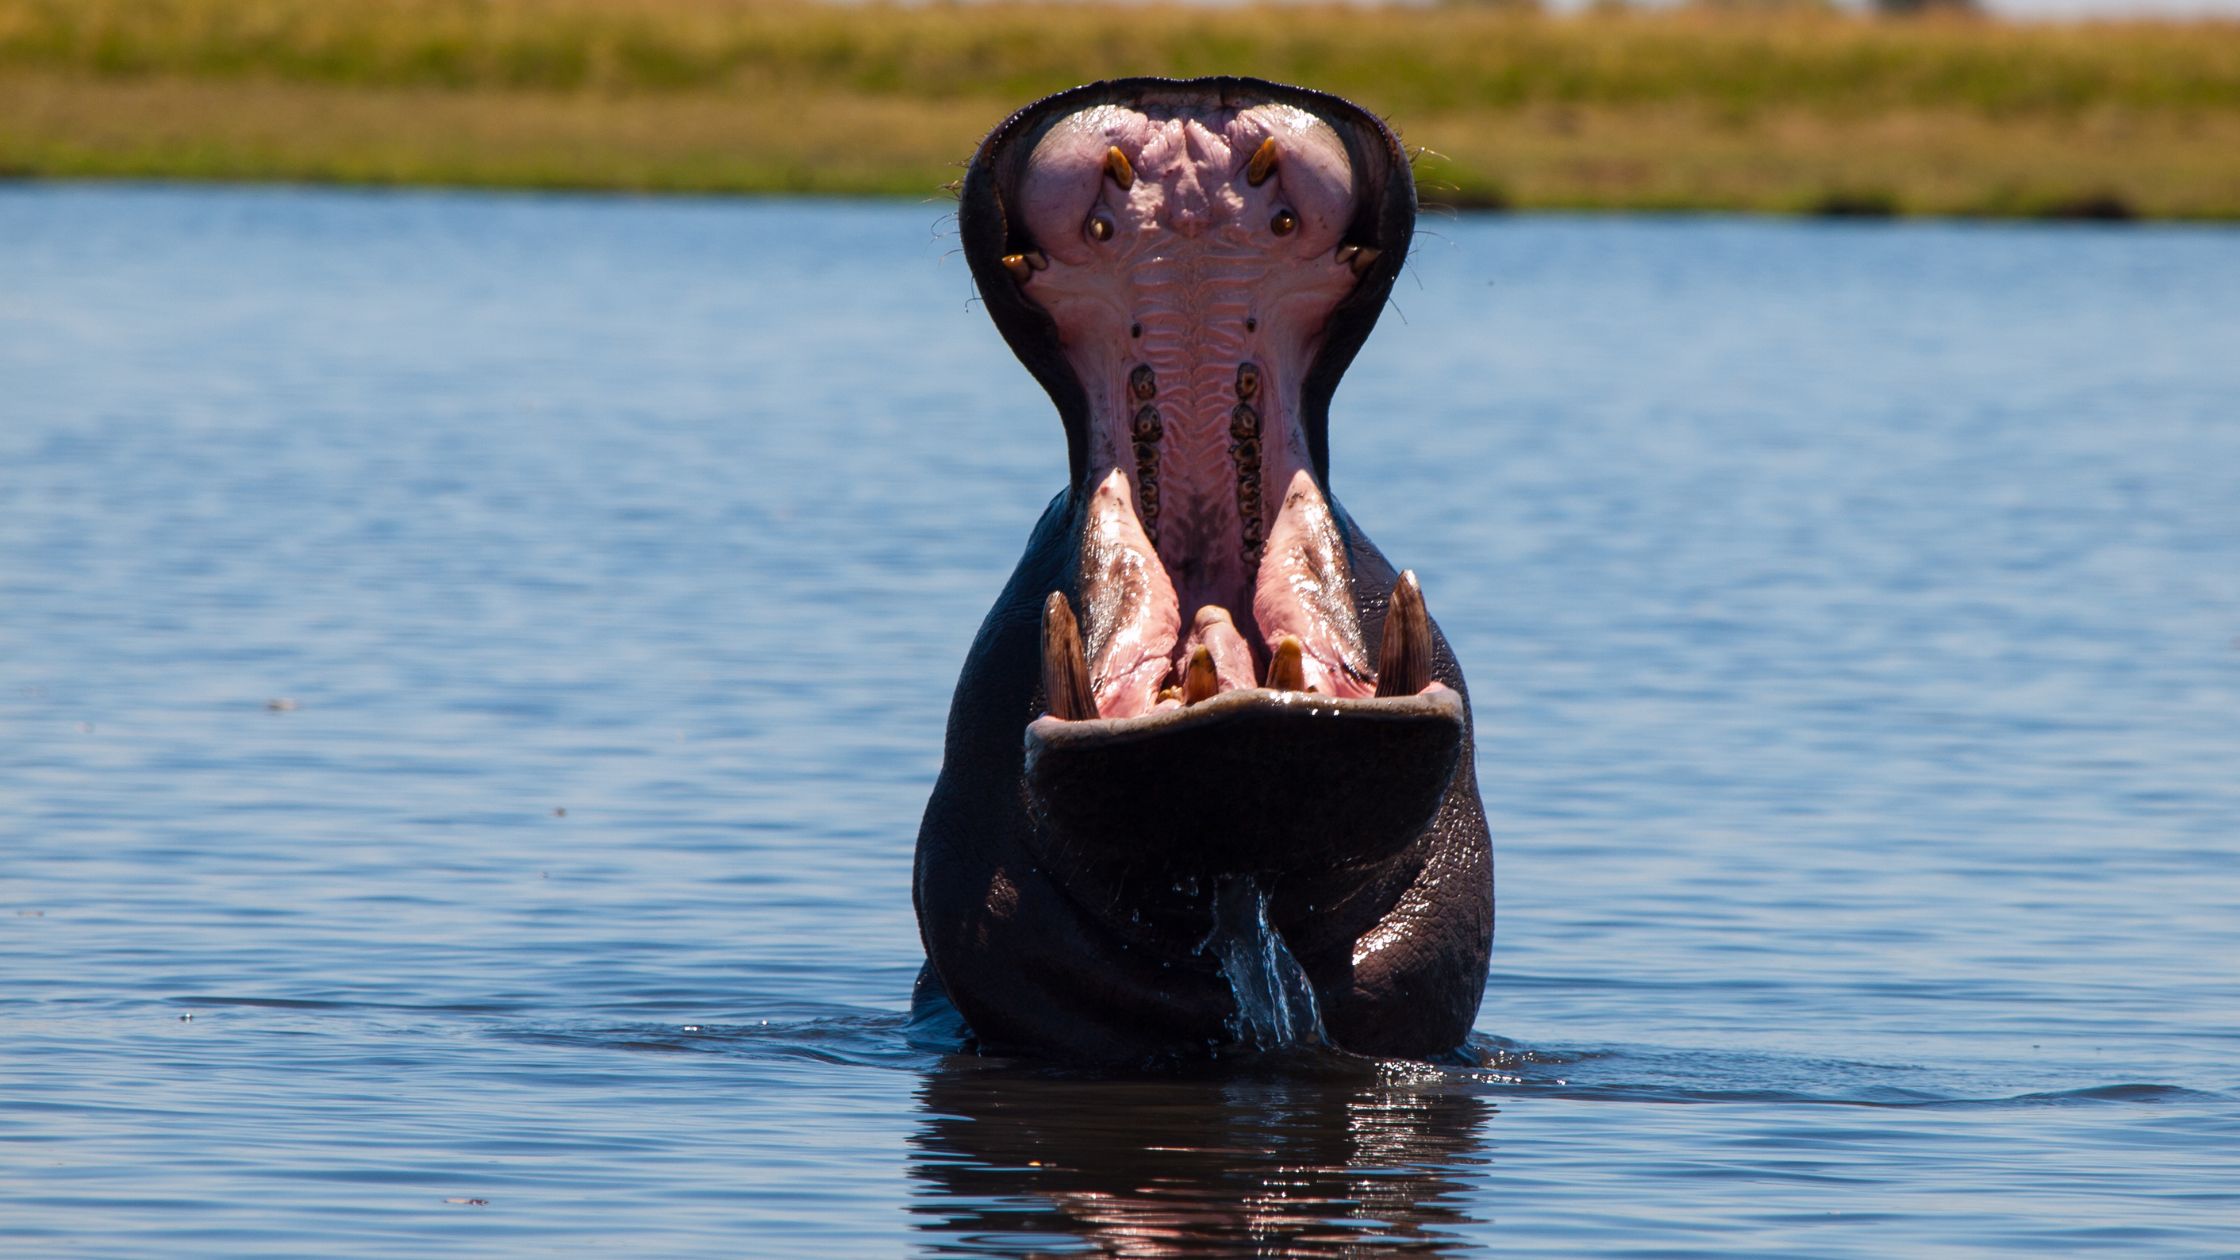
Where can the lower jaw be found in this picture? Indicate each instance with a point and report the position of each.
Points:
(1254, 781)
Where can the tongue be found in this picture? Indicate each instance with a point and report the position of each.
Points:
(1217, 632)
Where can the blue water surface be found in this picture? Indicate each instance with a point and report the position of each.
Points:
(470, 668)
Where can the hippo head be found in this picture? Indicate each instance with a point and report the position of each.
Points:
(1226, 687)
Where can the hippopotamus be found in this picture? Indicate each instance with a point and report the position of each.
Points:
(1209, 751)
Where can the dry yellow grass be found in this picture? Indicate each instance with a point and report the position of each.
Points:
(1786, 112)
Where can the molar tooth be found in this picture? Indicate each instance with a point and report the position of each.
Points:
(1143, 382)
(1148, 425)
(1404, 658)
(1263, 161)
(1244, 422)
(1117, 166)
(1065, 668)
(1248, 381)
(1199, 681)
(1287, 670)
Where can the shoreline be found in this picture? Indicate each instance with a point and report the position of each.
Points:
(1694, 111)
(938, 202)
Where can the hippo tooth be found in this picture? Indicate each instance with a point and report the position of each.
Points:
(1287, 669)
(1024, 265)
(1116, 165)
(1199, 681)
(1363, 256)
(1404, 658)
(1263, 161)
(1065, 668)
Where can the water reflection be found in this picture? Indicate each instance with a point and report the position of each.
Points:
(1302, 1157)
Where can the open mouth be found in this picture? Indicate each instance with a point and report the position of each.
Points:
(1188, 267)
(1186, 258)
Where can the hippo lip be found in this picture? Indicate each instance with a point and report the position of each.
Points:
(1250, 780)
(1188, 266)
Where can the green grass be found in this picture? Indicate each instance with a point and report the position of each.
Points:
(1792, 110)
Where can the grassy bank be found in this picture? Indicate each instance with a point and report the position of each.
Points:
(1790, 112)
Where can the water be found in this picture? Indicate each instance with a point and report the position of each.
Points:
(470, 668)
(1276, 1006)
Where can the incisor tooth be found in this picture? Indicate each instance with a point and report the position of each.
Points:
(1287, 669)
(1065, 669)
(1116, 165)
(1199, 682)
(1404, 658)
(1263, 161)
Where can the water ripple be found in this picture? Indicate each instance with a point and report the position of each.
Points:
(471, 668)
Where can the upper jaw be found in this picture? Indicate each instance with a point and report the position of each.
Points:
(1026, 209)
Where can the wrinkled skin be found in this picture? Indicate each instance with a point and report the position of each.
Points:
(1188, 267)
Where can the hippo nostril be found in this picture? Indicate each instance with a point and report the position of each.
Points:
(1284, 224)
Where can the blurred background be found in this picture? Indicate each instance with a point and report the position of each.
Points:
(2067, 108)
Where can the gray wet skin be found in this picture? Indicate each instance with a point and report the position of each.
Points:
(1202, 675)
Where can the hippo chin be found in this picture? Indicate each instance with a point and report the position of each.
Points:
(1208, 781)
